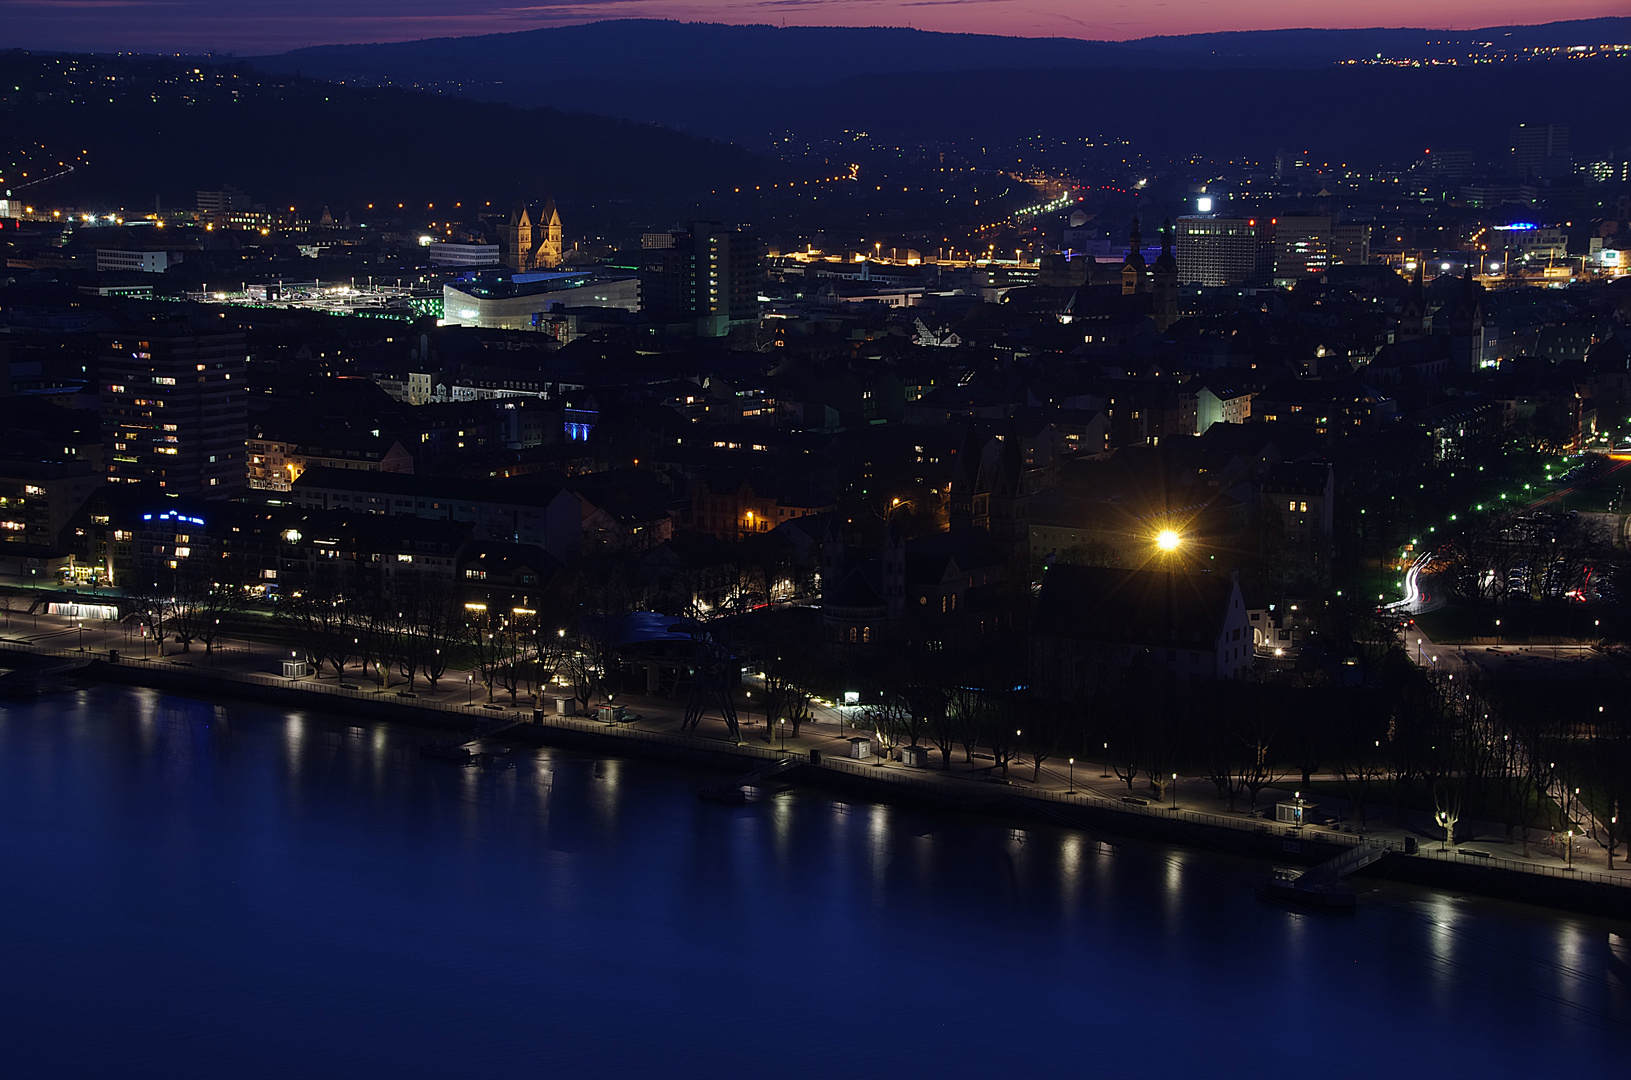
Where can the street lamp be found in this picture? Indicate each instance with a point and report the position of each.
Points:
(469, 688)
(1168, 540)
(1072, 776)
(1106, 774)
(783, 725)
(1174, 793)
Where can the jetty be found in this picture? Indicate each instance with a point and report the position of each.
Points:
(733, 791)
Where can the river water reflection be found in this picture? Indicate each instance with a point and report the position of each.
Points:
(251, 891)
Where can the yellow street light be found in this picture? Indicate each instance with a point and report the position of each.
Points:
(1168, 540)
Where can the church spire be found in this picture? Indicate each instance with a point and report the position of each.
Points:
(1135, 276)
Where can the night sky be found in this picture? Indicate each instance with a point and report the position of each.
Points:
(250, 27)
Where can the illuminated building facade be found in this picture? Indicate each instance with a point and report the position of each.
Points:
(707, 280)
(1302, 247)
(174, 410)
(532, 242)
(1223, 251)
(501, 300)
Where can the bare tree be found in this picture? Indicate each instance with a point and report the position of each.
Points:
(1257, 766)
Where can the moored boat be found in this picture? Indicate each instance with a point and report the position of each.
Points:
(1298, 890)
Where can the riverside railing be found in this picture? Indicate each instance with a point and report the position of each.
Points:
(956, 788)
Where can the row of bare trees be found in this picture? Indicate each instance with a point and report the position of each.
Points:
(187, 605)
(406, 627)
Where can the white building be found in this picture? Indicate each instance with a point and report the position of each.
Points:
(442, 254)
(110, 260)
(501, 300)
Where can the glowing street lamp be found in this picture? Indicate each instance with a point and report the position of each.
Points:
(1168, 540)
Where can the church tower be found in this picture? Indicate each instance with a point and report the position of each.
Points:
(550, 243)
(1135, 275)
(1467, 325)
(965, 479)
(1010, 502)
(832, 557)
(1414, 322)
(517, 245)
(1164, 282)
(892, 570)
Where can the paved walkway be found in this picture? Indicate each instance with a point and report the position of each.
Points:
(1456, 661)
(1328, 816)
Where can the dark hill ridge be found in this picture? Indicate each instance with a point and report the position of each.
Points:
(1232, 93)
(154, 131)
(656, 49)
(1295, 47)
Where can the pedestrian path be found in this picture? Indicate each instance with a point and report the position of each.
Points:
(1191, 800)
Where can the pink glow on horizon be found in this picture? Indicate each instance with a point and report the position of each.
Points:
(260, 26)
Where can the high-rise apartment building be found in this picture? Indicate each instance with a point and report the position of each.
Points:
(220, 205)
(708, 279)
(1302, 247)
(1223, 251)
(1539, 148)
(175, 410)
(1350, 245)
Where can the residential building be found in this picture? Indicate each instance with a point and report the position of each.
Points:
(275, 462)
(705, 282)
(39, 498)
(1091, 623)
(174, 410)
(1542, 149)
(1299, 497)
(1302, 247)
(513, 511)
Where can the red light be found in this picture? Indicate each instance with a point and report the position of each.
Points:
(1252, 221)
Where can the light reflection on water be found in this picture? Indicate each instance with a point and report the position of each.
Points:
(251, 893)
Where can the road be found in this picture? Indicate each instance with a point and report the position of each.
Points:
(1453, 661)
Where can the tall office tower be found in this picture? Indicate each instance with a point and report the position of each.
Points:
(1350, 245)
(1223, 251)
(1302, 247)
(218, 206)
(708, 279)
(175, 410)
(1539, 148)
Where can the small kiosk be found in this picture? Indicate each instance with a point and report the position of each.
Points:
(1291, 811)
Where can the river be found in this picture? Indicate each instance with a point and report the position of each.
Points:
(248, 891)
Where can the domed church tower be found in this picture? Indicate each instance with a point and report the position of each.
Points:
(1164, 282)
(1135, 275)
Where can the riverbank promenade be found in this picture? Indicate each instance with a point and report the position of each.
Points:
(460, 703)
